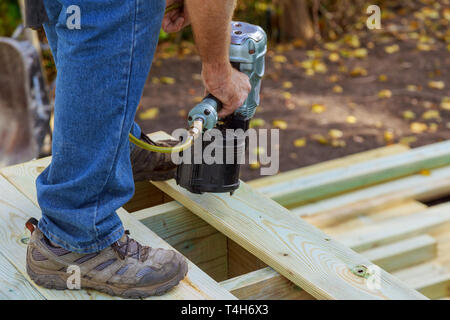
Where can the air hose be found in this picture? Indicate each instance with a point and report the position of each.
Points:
(194, 132)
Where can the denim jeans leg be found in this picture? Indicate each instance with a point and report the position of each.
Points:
(102, 69)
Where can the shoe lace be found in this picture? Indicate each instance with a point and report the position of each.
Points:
(124, 249)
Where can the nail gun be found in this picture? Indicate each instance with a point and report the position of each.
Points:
(247, 54)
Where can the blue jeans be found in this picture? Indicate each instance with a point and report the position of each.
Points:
(102, 69)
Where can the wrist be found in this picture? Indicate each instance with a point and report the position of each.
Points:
(214, 74)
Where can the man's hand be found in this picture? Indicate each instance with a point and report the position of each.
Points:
(227, 84)
(176, 19)
(212, 30)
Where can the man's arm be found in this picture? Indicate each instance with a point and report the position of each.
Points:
(211, 26)
(210, 21)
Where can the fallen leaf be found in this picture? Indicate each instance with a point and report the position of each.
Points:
(412, 88)
(338, 89)
(149, 114)
(259, 150)
(280, 59)
(436, 85)
(424, 47)
(338, 143)
(352, 40)
(418, 127)
(433, 127)
(318, 108)
(358, 72)
(407, 140)
(409, 115)
(197, 99)
(392, 49)
(333, 78)
(425, 172)
(257, 122)
(167, 80)
(445, 104)
(388, 136)
(280, 124)
(287, 95)
(431, 114)
(334, 57)
(446, 14)
(335, 134)
(331, 46)
(299, 143)
(319, 138)
(360, 53)
(385, 94)
(255, 165)
(351, 119)
(287, 85)
(382, 78)
(430, 13)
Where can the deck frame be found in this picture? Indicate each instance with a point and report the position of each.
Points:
(179, 226)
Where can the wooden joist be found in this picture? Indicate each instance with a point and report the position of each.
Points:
(266, 283)
(329, 212)
(396, 229)
(430, 279)
(323, 267)
(15, 209)
(303, 189)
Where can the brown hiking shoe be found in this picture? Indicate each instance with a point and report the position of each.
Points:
(125, 269)
(148, 165)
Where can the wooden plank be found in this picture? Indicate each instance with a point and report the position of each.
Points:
(403, 254)
(13, 285)
(327, 183)
(430, 279)
(266, 283)
(397, 229)
(328, 165)
(329, 212)
(375, 216)
(190, 235)
(306, 256)
(15, 209)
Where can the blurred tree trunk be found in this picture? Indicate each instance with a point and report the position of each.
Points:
(295, 20)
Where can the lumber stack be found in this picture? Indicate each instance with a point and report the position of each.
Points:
(322, 232)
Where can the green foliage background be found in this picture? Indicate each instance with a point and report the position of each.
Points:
(9, 16)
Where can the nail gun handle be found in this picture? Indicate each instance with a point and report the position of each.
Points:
(219, 104)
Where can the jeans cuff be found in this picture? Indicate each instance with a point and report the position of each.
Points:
(95, 246)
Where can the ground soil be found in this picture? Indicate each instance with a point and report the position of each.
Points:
(378, 121)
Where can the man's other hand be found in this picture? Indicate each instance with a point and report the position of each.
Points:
(176, 19)
(227, 84)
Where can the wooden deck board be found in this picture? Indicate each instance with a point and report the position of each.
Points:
(13, 285)
(327, 183)
(15, 209)
(331, 211)
(306, 256)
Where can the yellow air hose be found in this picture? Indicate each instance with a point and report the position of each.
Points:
(194, 132)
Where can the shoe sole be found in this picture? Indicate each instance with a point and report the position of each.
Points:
(58, 281)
